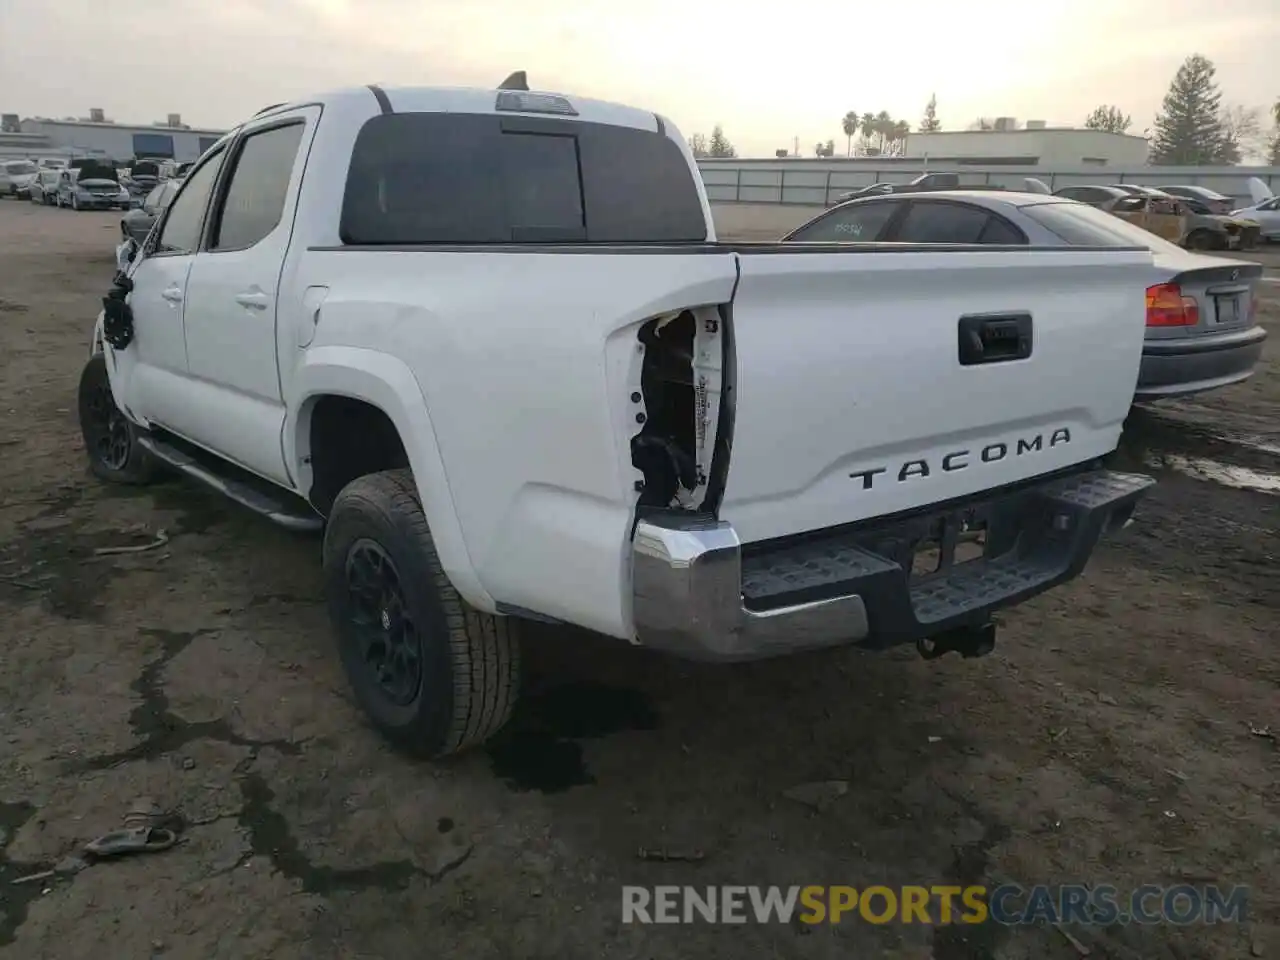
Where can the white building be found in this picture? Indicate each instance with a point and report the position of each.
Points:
(104, 138)
(1034, 146)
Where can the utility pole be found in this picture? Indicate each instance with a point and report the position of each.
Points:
(795, 150)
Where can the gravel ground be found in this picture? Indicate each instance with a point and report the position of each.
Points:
(1107, 740)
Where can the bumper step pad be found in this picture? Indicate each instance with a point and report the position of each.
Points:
(1044, 535)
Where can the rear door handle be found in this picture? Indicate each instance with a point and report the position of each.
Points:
(172, 294)
(254, 300)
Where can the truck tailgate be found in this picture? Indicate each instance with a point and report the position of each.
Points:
(871, 381)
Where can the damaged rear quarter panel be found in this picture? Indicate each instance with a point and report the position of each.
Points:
(527, 362)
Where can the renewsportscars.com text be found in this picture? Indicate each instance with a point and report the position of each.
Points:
(1010, 904)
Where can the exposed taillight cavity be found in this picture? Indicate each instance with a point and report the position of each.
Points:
(1167, 307)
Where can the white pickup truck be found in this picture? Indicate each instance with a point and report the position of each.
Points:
(487, 340)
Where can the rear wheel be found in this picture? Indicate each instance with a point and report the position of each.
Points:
(110, 438)
(435, 676)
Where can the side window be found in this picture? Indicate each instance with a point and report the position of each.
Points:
(928, 222)
(259, 186)
(544, 188)
(1271, 205)
(861, 222)
(181, 230)
(1000, 230)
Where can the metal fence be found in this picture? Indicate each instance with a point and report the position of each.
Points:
(821, 182)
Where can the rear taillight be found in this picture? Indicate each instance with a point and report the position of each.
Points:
(1167, 307)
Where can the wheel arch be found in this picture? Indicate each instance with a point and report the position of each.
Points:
(386, 384)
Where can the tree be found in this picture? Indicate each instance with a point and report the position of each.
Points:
(982, 123)
(850, 126)
(867, 124)
(1274, 150)
(1189, 129)
(1108, 118)
(698, 144)
(831, 148)
(883, 128)
(898, 131)
(719, 145)
(930, 123)
(1242, 129)
(827, 149)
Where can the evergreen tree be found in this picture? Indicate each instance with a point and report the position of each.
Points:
(1108, 118)
(930, 123)
(719, 145)
(1189, 129)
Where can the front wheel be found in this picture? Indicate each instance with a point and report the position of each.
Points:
(110, 438)
(435, 676)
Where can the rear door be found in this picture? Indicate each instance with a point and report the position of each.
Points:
(230, 316)
(859, 394)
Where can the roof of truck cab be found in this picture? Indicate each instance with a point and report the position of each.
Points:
(467, 100)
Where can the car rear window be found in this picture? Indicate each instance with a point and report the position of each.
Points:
(436, 178)
(1082, 225)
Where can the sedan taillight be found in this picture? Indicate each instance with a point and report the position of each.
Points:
(1167, 307)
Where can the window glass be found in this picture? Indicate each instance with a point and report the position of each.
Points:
(181, 230)
(424, 178)
(928, 222)
(153, 202)
(860, 222)
(544, 190)
(259, 187)
(1000, 230)
(1090, 227)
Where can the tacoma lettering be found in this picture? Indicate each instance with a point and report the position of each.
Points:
(959, 459)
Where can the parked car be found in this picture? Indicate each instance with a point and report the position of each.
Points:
(1095, 195)
(1186, 222)
(44, 188)
(716, 450)
(138, 221)
(140, 178)
(1201, 311)
(1138, 190)
(16, 177)
(1267, 215)
(1214, 201)
(91, 187)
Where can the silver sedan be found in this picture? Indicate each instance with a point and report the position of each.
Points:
(1202, 331)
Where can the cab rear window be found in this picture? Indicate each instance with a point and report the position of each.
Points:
(437, 178)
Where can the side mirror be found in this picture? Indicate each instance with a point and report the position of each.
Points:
(126, 253)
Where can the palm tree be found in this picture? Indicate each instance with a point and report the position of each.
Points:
(868, 126)
(900, 131)
(884, 127)
(850, 126)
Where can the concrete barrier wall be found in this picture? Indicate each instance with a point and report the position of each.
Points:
(759, 221)
(820, 182)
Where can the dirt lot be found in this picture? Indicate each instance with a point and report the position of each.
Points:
(1107, 740)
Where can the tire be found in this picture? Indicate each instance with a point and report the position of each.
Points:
(110, 438)
(1200, 240)
(468, 663)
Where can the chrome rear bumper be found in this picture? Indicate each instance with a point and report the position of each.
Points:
(698, 594)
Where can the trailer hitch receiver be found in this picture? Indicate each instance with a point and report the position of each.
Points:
(971, 641)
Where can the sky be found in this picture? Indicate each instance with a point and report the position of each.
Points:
(768, 72)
